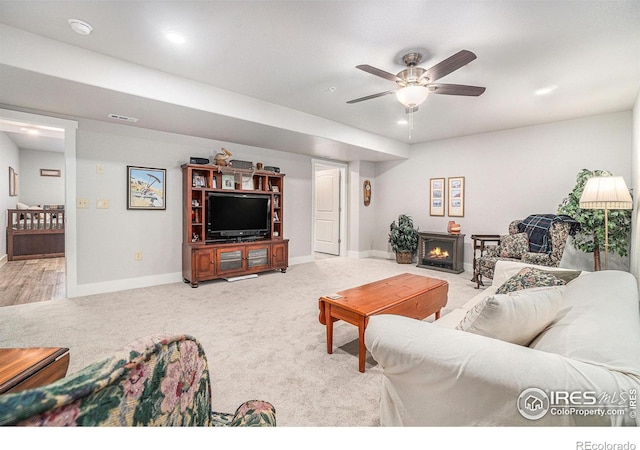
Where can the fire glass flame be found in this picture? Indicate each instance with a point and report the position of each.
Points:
(438, 253)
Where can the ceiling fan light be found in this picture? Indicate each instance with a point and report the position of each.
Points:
(411, 96)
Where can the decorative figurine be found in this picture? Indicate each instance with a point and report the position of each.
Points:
(221, 158)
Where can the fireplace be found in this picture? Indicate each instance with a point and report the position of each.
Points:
(441, 251)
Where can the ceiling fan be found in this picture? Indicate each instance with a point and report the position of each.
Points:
(415, 83)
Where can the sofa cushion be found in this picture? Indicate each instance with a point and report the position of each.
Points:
(530, 277)
(517, 317)
(598, 323)
(514, 245)
(564, 274)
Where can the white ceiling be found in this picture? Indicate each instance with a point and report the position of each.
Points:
(290, 53)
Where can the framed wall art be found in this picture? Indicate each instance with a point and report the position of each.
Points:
(13, 182)
(436, 197)
(50, 172)
(456, 197)
(146, 188)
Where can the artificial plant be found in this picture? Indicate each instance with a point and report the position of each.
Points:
(591, 237)
(403, 236)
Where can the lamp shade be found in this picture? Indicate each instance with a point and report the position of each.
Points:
(411, 96)
(606, 193)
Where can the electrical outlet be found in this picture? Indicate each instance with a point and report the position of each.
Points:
(138, 255)
(82, 203)
(99, 169)
(102, 203)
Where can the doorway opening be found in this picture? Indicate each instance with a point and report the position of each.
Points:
(45, 159)
(329, 209)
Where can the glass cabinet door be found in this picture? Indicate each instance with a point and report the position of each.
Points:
(230, 260)
(257, 257)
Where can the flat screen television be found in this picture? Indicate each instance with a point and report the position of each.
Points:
(235, 215)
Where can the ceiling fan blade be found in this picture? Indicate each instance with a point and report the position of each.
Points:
(378, 72)
(462, 58)
(456, 89)
(369, 97)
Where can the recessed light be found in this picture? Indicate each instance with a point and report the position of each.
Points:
(403, 122)
(80, 26)
(547, 90)
(175, 37)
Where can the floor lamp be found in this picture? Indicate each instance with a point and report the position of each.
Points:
(606, 193)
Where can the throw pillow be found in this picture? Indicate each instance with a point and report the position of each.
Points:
(20, 205)
(566, 275)
(530, 277)
(514, 245)
(517, 318)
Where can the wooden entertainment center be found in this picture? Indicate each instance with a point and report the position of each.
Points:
(204, 259)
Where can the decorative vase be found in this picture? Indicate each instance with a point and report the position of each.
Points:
(453, 227)
(404, 257)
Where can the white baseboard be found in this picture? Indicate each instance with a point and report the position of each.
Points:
(359, 255)
(130, 283)
(82, 290)
(301, 260)
(382, 254)
(3, 260)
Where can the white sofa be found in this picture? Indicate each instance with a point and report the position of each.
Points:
(436, 375)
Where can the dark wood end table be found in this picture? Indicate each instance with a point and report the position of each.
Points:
(479, 241)
(25, 368)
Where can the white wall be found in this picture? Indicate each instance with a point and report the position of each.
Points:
(36, 189)
(108, 238)
(508, 174)
(361, 218)
(9, 157)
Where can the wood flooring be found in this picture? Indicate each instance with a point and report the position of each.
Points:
(32, 280)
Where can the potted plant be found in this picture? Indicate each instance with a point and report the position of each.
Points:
(590, 238)
(403, 237)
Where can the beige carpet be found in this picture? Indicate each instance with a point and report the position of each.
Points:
(261, 336)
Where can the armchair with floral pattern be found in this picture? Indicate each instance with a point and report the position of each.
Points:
(515, 246)
(155, 381)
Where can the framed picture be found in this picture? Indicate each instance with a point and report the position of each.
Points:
(247, 183)
(436, 197)
(456, 197)
(199, 181)
(228, 181)
(275, 188)
(146, 188)
(50, 172)
(13, 182)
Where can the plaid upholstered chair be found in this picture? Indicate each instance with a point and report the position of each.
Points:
(539, 239)
(155, 381)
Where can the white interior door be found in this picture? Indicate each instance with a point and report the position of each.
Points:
(327, 212)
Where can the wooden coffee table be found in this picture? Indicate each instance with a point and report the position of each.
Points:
(407, 295)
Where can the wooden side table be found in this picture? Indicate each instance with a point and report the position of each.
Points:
(479, 241)
(25, 368)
